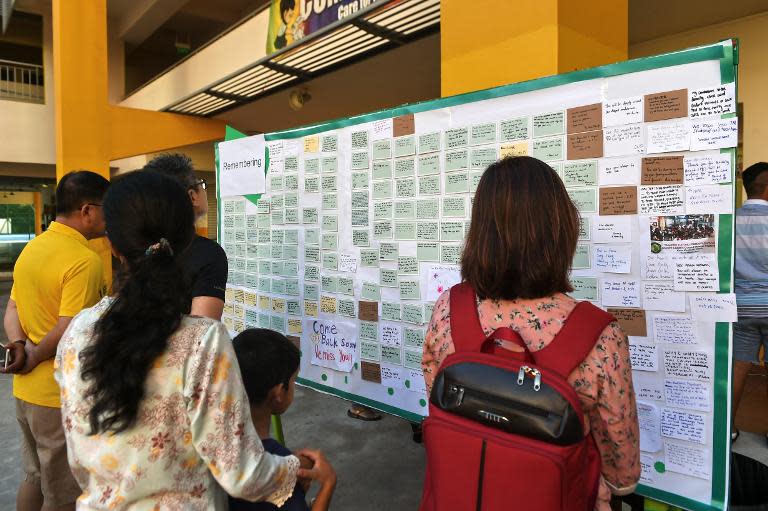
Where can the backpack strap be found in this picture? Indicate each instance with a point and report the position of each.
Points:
(575, 339)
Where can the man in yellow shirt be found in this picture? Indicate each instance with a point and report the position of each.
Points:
(56, 276)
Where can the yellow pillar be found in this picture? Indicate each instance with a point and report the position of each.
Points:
(37, 204)
(487, 43)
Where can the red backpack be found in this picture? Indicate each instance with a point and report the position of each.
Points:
(505, 429)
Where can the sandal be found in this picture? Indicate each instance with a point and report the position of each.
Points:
(735, 434)
(363, 413)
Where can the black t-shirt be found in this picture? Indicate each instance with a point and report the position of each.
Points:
(206, 265)
(297, 501)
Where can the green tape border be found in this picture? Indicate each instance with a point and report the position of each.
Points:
(726, 52)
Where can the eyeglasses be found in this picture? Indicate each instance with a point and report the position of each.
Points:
(202, 183)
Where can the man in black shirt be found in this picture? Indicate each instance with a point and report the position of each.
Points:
(204, 260)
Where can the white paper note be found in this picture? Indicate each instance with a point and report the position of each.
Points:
(696, 273)
(702, 199)
(687, 394)
(612, 229)
(416, 381)
(613, 258)
(707, 170)
(669, 136)
(381, 129)
(648, 388)
(662, 200)
(647, 473)
(241, 166)
(661, 296)
(392, 376)
(674, 330)
(390, 334)
(619, 171)
(712, 101)
(690, 364)
(682, 426)
(623, 111)
(347, 263)
(643, 356)
(620, 293)
(650, 427)
(440, 278)
(624, 140)
(657, 267)
(714, 307)
(687, 459)
(714, 134)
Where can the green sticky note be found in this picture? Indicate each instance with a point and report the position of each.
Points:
(451, 231)
(382, 210)
(346, 308)
(360, 161)
(474, 180)
(413, 314)
(548, 124)
(329, 241)
(413, 337)
(293, 307)
(388, 277)
(311, 272)
(456, 138)
(428, 251)
(391, 355)
(277, 323)
(429, 185)
(390, 311)
(456, 160)
(360, 218)
(292, 182)
(359, 140)
(382, 189)
(370, 291)
(291, 237)
(278, 235)
(278, 286)
(345, 286)
(369, 351)
(329, 143)
(405, 167)
(329, 284)
(276, 268)
(408, 265)
(278, 202)
(405, 146)
(330, 223)
(429, 164)
(382, 230)
(360, 199)
(585, 288)
(292, 216)
(409, 289)
(369, 258)
(360, 180)
(292, 287)
(427, 209)
(330, 201)
(264, 266)
(483, 134)
(429, 142)
(277, 251)
(311, 165)
(581, 257)
(290, 252)
(388, 251)
(292, 200)
(580, 173)
(585, 199)
(405, 210)
(382, 149)
(312, 254)
(312, 236)
(412, 359)
(457, 182)
(290, 269)
(382, 169)
(548, 149)
(264, 320)
(276, 183)
(330, 261)
(277, 217)
(328, 183)
(311, 291)
(482, 157)
(514, 129)
(585, 230)
(450, 254)
(405, 188)
(405, 230)
(369, 331)
(265, 284)
(312, 184)
(263, 221)
(361, 238)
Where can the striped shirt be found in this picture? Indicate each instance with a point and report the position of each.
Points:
(751, 271)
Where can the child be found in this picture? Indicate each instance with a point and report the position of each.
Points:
(269, 364)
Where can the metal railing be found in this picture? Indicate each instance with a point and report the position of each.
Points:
(21, 81)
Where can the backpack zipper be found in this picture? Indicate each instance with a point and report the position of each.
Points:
(463, 392)
(481, 477)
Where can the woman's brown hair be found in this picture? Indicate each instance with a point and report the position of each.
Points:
(523, 233)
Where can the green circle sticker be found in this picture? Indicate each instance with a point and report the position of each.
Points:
(423, 402)
(324, 377)
(390, 391)
(407, 384)
(660, 467)
(355, 365)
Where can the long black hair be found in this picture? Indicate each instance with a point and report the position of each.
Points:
(149, 222)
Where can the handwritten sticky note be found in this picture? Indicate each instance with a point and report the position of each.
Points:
(390, 334)
(661, 296)
(588, 144)
(674, 330)
(632, 321)
(688, 364)
(687, 394)
(585, 118)
(585, 288)
(688, 460)
(702, 199)
(619, 171)
(670, 136)
(612, 229)
(381, 129)
(403, 125)
(712, 101)
(580, 173)
(513, 149)
(666, 105)
(662, 170)
(714, 307)
(441, 278)
(623, 111)
(714, 134)
(548, 149)
(624, 140)
(643, 356)
(392, 375)
(696, 273)
(657, 267)
(649, 420)
(707, 169)
(311, 144)
(618, 200)
(620, 293)
(682, 425)
(662, 200)
(648, 388)
(612, 258)
(548, 124)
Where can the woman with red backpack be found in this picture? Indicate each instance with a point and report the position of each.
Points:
(518, 421)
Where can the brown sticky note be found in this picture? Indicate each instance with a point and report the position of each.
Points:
(662, 170)
(666, 105)
(403, 125)
(368, 311)
(296, 341)
(585, 118)
(585, 145)
(371, 371)
(618, 200)
(632, 321)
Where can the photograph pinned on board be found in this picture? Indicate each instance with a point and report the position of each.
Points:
(683, 234)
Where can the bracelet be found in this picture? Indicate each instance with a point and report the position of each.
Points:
(21, 341)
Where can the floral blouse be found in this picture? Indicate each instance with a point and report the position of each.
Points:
(194, 438)
(603, 381)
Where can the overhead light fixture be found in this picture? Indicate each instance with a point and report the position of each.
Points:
(298, 98)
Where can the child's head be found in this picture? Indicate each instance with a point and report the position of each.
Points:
(269, 363)
(287, 10)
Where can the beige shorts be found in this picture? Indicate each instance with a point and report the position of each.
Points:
(44, 453)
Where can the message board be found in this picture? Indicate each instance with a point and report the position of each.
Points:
(362, 223)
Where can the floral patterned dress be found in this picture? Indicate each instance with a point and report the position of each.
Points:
(603, 381)
(194, 438)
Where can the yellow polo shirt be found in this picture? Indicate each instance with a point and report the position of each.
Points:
(55, 275)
